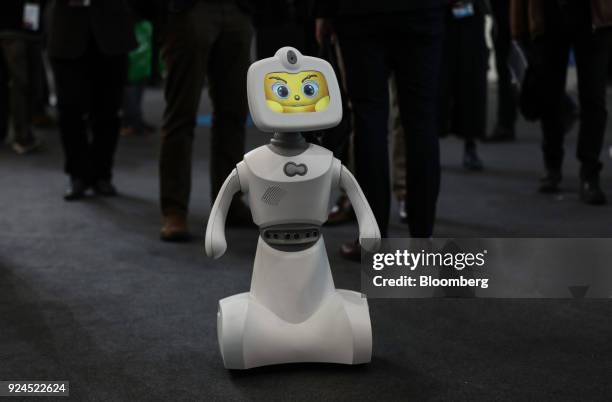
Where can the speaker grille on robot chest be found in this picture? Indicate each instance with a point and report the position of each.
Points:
(273, 195)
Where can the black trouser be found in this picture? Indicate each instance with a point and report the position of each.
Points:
(463, 84)
(89, 92)
(502, 40)
(410, 45)
(4, 99)
(211, 39)
(18, 67)
(566, 29)
(272, 36)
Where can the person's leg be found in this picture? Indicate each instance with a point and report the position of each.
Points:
(471, 90)
(139, 90)
(184, 50)
(399, 156)
(550, 53)
(592, 55)
(446, 82)
(131, 117)
(38, 102)
(4, 97)
(227, 68)
(506, 98)
(417, 70)
(16, 52)
(108, 76)
(368, 90)
(73, 86)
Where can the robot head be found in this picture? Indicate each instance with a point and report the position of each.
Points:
(290, 92)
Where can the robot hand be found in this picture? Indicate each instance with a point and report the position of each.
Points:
(214, 241)
(369, 234)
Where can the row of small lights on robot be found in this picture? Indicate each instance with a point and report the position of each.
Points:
(288, 235)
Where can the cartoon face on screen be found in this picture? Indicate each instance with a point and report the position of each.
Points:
(302, 92)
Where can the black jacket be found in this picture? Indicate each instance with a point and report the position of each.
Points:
(108, 22)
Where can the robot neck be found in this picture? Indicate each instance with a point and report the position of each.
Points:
(288, 144)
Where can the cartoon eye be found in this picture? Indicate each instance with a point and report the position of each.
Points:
(310, 89)
(280, 90)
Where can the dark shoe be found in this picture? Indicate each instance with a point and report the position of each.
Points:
(501, 134)
(471, 160)
(341, 212)
(104, 188)
(550, 182)
(351, 251)
(175, 229)
(76, 190)
(239, 214)
(591, 193)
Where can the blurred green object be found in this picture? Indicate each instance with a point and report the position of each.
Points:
(139, 67)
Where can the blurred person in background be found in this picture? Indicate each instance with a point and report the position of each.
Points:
(4, 99)
(504, 129)
(463, 86)
(41, 115)
(88, 43)
(377, 38)
(20, 27)
(553, 27)
(398, 154)
(140, 66)
(202, 39)
(509, 59)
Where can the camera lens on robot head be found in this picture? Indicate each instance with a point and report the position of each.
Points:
(291, 57)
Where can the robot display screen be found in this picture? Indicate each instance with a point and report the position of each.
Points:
(301, 92)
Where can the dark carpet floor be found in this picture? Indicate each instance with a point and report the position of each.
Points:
(89, 294)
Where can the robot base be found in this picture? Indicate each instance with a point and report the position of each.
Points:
(250, 335)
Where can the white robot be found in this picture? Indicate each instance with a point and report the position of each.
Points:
(293, 312)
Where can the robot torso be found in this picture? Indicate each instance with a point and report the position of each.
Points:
(289, 191)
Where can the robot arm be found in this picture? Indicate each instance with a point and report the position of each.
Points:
(215, 231)
(368, 228)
